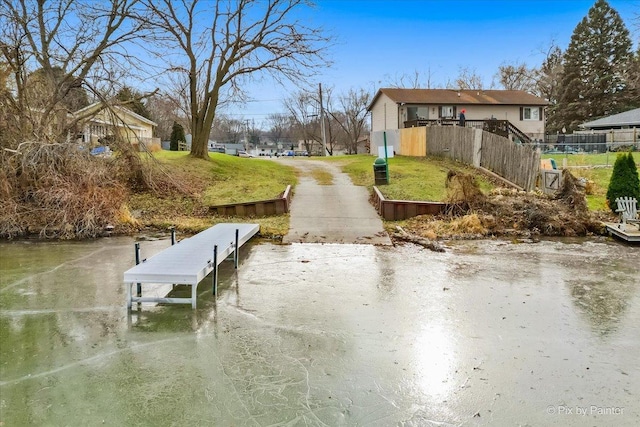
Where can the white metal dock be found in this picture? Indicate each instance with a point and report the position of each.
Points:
(188, 262)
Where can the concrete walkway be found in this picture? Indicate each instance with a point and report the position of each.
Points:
(336, 213)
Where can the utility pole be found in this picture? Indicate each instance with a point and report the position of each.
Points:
(246, 136)
(324, 134)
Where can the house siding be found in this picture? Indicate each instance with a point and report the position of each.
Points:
(533, 128)
(384, 114)
(123, 124)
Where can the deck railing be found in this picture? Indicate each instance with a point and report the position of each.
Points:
(499, 127)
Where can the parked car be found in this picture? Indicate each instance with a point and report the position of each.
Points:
(244, 154)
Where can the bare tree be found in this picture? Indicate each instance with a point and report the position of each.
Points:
(353, 117)
(68, 42)
(224, 43)
(279, 127)
(165, 111)
(517, 76)
(414, 80)
(548, 84)
(228, 130)
(468, 78)
(302, 107)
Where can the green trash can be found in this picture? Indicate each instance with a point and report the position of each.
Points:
(380, 172)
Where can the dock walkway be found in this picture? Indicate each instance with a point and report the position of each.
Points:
(189, 261)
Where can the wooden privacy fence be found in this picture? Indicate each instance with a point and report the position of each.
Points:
(454, 142)
(413, 142)
(518, 164)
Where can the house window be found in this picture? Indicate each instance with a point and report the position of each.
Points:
(417, 113)
(530, 113)
(447, 112)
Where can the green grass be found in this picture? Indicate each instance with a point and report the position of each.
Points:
(600, 177)
(410, 178)
(322, 177)
(586, 159)
(222, 180)
(231, 179)
(581, 166)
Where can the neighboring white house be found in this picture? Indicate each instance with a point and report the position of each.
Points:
(101, 122)
(394, 108)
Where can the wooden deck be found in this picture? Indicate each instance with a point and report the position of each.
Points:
(626, 232)
(189, 261)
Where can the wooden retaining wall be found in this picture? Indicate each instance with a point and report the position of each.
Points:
(260, 208)
(396, 210)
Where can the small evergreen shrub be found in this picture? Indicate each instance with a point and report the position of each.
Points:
(177, 135)
(624, 180)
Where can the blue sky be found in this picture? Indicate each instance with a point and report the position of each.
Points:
(379, 41)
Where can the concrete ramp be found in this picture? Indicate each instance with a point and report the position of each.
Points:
(336, 213)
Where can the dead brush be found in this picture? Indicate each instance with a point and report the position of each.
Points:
(463, 193)
(468, 224)
(59, 191)
(571, 194)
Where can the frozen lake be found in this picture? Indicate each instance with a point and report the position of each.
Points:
(488, 333)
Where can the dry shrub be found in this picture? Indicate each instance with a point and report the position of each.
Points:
(463, 193)
(58, 191)
(124, 216)
(571, 194)
(468, 224)
(590, 187)
(77, 209)
(507, 212)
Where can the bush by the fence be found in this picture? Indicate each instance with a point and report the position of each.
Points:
(624, 180)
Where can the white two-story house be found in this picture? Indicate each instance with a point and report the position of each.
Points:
(519, 113)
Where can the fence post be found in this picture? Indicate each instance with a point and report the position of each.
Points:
(477, 147)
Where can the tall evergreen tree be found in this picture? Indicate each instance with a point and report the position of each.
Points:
(177, 135)
(595, 65)
(131, 100)
(633, 80)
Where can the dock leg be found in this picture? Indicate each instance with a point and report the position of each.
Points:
(215, 270)
(173, 242)
(129, 286)
(235, 251)
(139, 286)
(194, 292)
